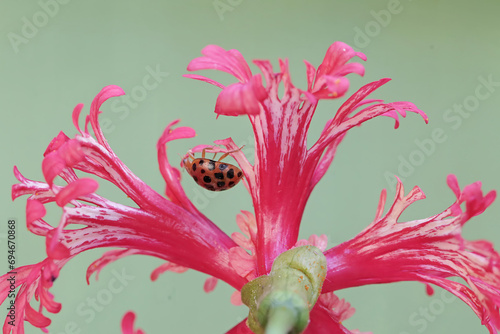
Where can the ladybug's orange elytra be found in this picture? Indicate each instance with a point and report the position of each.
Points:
(213, 175)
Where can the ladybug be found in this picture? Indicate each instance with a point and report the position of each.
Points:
(210, 174)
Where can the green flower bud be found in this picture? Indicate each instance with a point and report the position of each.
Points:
(280, 302)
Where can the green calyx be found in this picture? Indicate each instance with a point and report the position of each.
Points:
(280, 302)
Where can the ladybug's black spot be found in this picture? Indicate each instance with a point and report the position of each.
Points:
(207, 179)
(209, 187)
(230, 173)
(194, 167)
(221, 184)
(222, 167)
(231, 183)
(211, 165)
(201, 162)
(202, 171)
(195, 179)
(239, 174)
(219, 176)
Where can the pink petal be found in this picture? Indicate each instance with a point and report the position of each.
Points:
(240, 158)
(342, 122)
(337, 85)
(35, 318)
(335, 66)
(241, 98)
(453, 184)
(34, 210)
(106, 93)
(336, 56)
(240, 328)
(311, 73)
(169, 266)
(236, 298)
(55, 249)
(76, 116)
(354, 101)
(170, 174)
(325, 161)
(63, 153)
(205, 79)
(319, 242)
(76, 189)
(428, 250)
(127, 324)
(52, 165)
(429, 289)
(216, 58)
(338, 308)
(322, 321)
(107, 258)
(242, 262)
(210, 284)
(56, 143)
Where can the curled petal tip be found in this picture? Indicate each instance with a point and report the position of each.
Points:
(76, 189)
(34, 210)
(241, 98)
(127, 324)
(56, 143)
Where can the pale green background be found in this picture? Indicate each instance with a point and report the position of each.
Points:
(434, 50)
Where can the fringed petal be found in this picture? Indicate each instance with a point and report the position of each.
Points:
(342, 122)
(428, 250)
(243, 262)
(156, 227)
(32, 280)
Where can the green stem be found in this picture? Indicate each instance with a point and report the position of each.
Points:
(281, 320)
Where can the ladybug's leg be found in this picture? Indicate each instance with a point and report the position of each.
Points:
(184, 160)
(227, 153)
(223, 156)
(204, 150)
